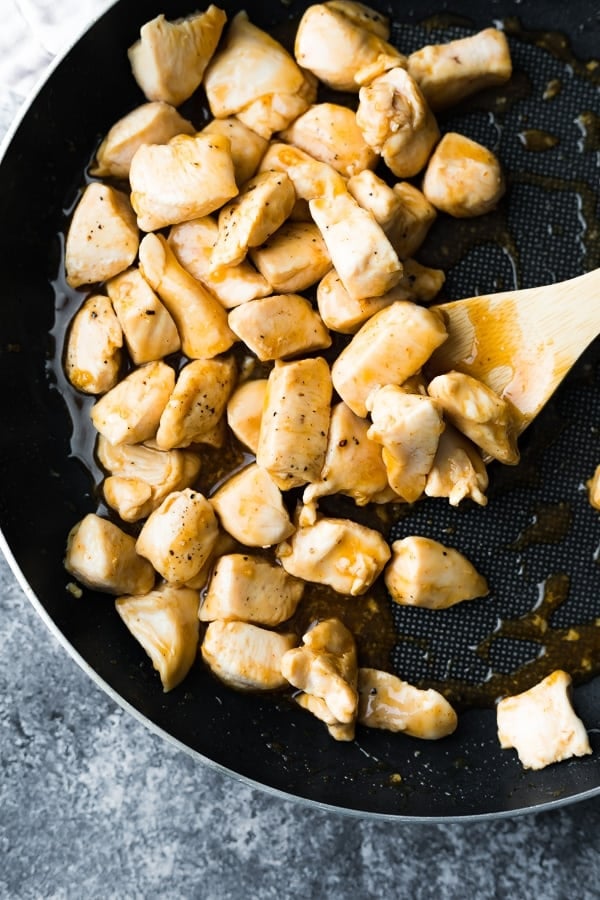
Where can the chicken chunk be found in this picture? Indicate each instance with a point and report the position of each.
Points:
(250, 589)
(294, 258)
(246, 656)
(150, 332)
(593, 488)
(279, 326)
(179, 535)
(254, 77)
(338, 552)
(446, 73)
(224, 544)
(408, 427)
(339, 731)
(385, 701)
(188, 177)
(423, 572)
(165, 623)
(397, 122)
(310, 177)
(295, 421)
(390, 347)
(247, 147)
(463, 178)
(103, 237)
(340, 312)
(169, 59)
(103, 557)
(328, 132)
(376, 196)
(150, 123)
(361, 254)
(201, 320)
(244, 411)
(250, 507)
(197, 403)
(93, 356)
(130, 412)
(458, 470)
(413, 220)
(541, 723)
(478, 412)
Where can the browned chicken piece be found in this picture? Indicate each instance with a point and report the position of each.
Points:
(250, 508)
(150, 332)
(336, 40)
(329, 133)
(93, 356)
(420, 282)
(165, 623)
(295, 421)
(385, 701)
(169, 59)
(130, 412)
(478, 412)
(250, 589)
(310, 177)
(179, 535)
(244, 411)
(339, 731)
(279, 326)
(390, 347)
(294, 258)
(224, 544)
(541, 724)
(198, 402)
(463, 178)
(150, 123)
(446, 73)
(458, 470)
(593, 488)
(188, 177)
(103, 236)
(415, 217)
(201, 320)
(375, 195)
(254, 77)
(102, 557)
(246, 656)
(397, 123)
(423, 572)
(246, 146)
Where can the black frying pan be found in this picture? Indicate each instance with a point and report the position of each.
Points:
(538, 528)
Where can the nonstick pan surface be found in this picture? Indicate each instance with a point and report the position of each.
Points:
(537, 540)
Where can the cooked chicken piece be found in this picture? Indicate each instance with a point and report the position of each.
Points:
(188, 177)
(224, 544)
(246, 656)
(541, 724)
(102, 557)
(463, 178)
(376, 196)
(193, 243)
(179, 535)
(397, 123)
(458, 470)
(165, 623)
(310, 177)
(325, 667)
(338, 552)
(385, 701)
(446, 73)
(197, 403)
(408, 427)
(593, 488)
(295, 421)
(103, 237)
(335, 41)
(201, 320)
(415, 217)
(247, 147)
(263, 205)
(423, 572)
(294, 258)
(250, 507)
(150, 123)
(339, 731)
(478, 412)
(329, 132)
(279, 326)
(244, 411)
(169, 59)
(253, 77)
(130, 497)
(388, 349)
(421, 283)
(130, 412)
(150, 332)
(250, 589)
(93, 356)
(217, 435)
(360, 252)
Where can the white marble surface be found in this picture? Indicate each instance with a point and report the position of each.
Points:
(92, 805)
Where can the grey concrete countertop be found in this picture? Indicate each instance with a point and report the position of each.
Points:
(92, 805)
